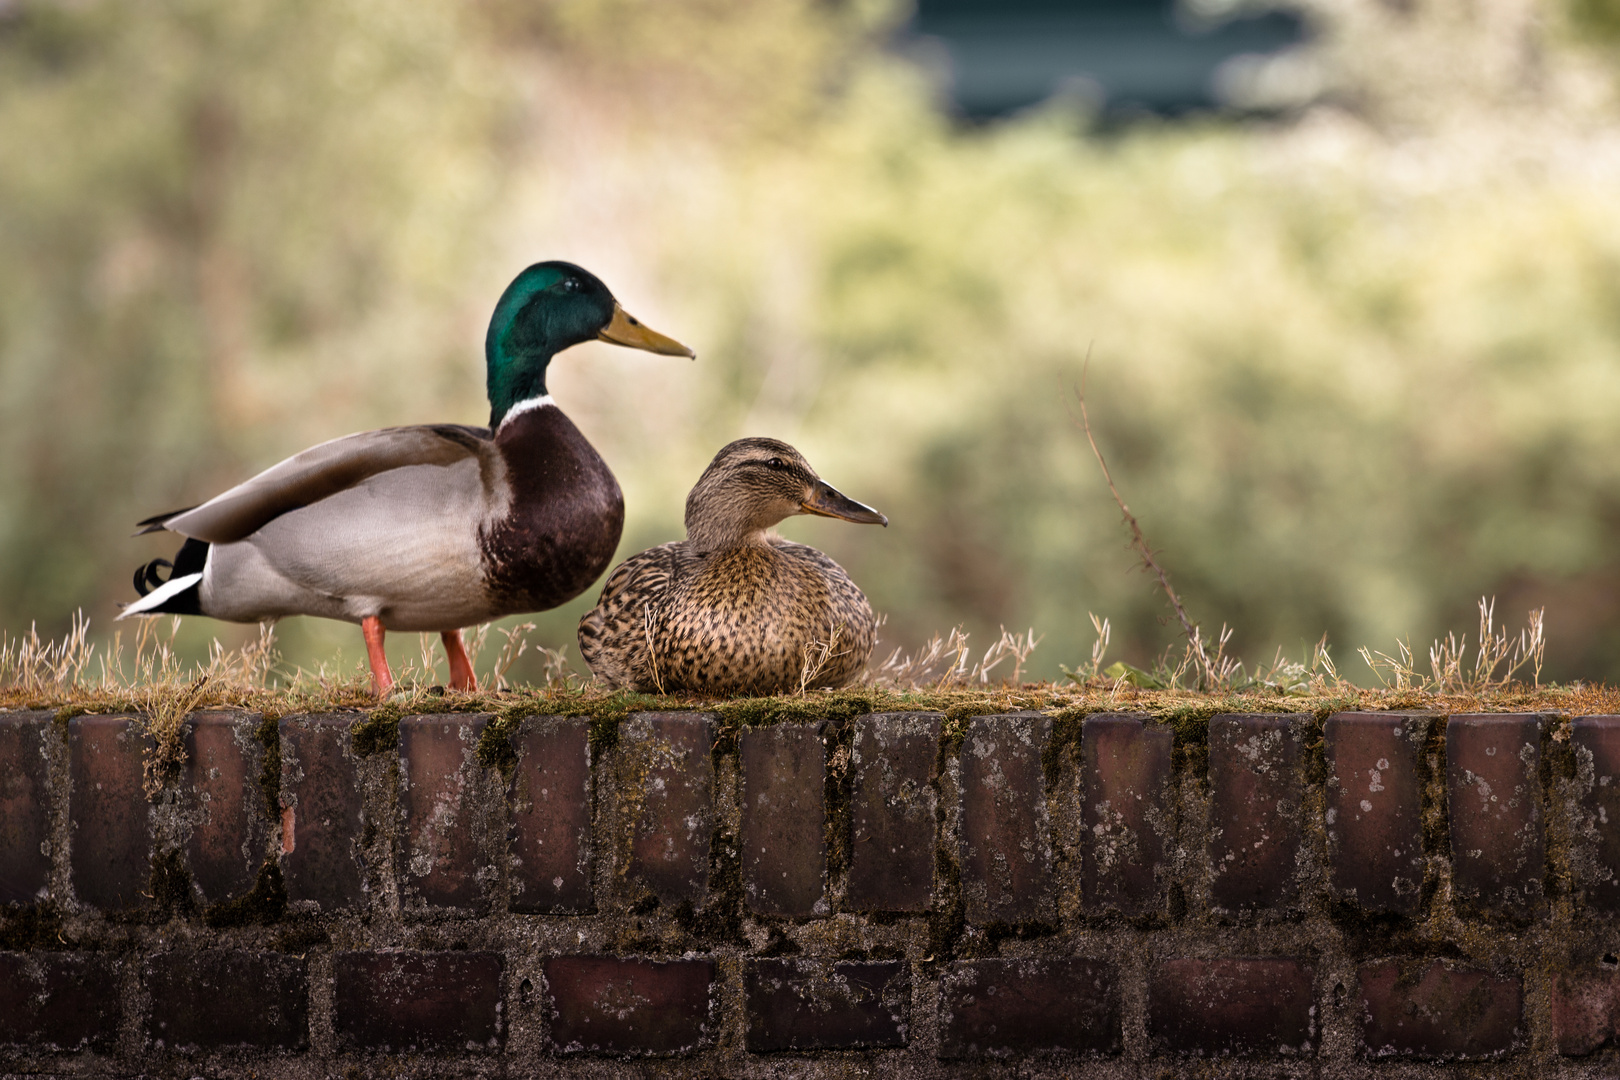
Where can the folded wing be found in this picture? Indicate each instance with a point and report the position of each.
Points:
(321, 472)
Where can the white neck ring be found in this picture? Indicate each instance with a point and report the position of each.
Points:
(527, 405)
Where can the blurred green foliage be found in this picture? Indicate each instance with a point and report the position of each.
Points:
(1352, 368)
(1597, 20)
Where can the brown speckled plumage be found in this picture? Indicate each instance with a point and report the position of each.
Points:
(734, 609)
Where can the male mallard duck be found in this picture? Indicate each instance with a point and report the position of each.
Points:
(732, 608)
(427, 528)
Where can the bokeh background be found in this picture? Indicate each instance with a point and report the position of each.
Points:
(1347, 271)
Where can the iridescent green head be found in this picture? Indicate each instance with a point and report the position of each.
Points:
(549, 307)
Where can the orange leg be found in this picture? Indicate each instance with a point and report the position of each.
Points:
(382, 680)
(461, 672)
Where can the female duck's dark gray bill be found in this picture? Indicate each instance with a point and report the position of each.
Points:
(828, 501)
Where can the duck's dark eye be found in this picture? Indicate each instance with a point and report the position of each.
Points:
(572, 284)
(776, 463)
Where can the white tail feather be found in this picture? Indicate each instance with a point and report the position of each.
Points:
(156, 598)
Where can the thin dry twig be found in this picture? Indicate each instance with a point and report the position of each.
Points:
(1208, 673)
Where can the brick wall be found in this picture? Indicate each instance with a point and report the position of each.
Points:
(1279, 895)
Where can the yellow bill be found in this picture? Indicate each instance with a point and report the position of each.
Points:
(626, 329)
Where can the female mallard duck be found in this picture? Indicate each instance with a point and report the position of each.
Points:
(732, 608)
(428, 528)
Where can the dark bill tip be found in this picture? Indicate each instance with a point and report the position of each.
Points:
(828, 501)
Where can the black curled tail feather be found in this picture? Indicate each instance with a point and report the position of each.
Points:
(190, 559)
(147, 577)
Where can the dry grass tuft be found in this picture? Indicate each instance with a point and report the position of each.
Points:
(1099, 649)
(147, 678)
(946, 662)
(817, 654)
(648, 622)
(35, 665)
(1497, 659)
(556, 672)
(515, 645)
(943, 675)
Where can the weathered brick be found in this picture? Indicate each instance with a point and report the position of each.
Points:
(669, 772)
(1374, 808)
(993, 1008)
(440, 781)
(1438, 1012)
(409, 1001)
(1125, 811)
(604, 1004)
(111, 861)
(784, 819)
(892, 804)
(1233, 1006)
(322, 814)
(222, 998)
(1595, 741)
(59, 1001)
(549, 799)
(1006, 850)
(1256, 792)
(25, 808)
(815, 1005)
(1583, 1010)
(224, 805)
(1492, 767)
